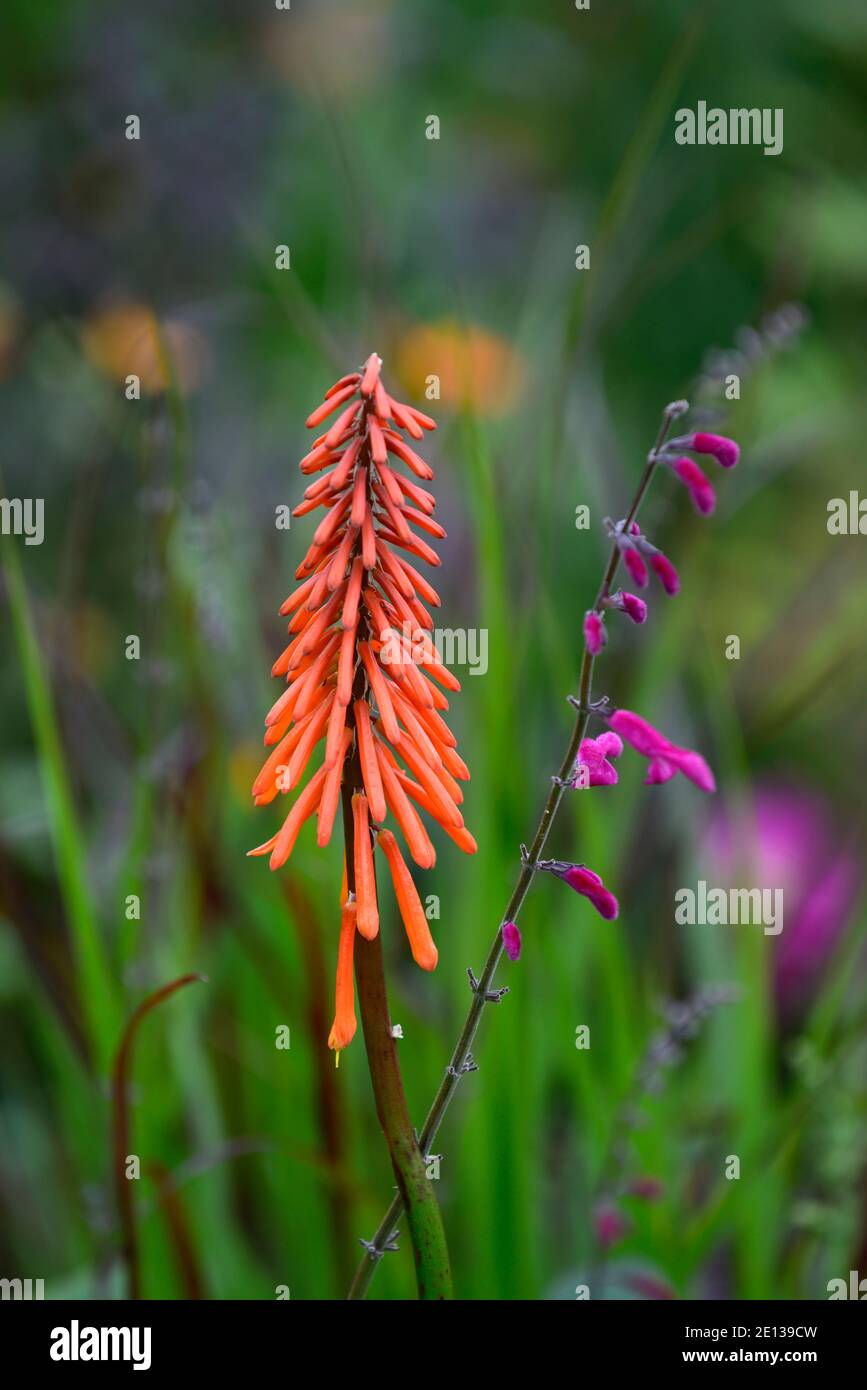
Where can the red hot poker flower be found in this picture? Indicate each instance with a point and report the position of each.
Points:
(362, 671)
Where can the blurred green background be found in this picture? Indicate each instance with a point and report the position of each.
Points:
(456, 257)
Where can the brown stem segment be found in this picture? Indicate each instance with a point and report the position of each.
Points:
(461, 1060)
(121, 1130)
(417, 1197)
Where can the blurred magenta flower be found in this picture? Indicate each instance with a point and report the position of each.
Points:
(788, 839)
(648, 1189)
(610, 1225)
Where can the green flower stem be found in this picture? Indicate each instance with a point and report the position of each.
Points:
(483, 989)
(415, 1189)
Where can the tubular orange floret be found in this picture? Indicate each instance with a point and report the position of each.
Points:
(361, 668)
(367, 917)
(421, 943)
(369, 765)
(344, 1025)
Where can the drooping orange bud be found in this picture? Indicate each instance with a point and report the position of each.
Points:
(421, 943)
(344, 1025)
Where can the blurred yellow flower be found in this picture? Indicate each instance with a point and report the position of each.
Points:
(476, 369)
(125, 339)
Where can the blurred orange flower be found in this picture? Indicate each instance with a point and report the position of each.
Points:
(476, 369)
(126, 339)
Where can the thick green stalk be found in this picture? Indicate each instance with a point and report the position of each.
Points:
(417, 1196)
(483, 992)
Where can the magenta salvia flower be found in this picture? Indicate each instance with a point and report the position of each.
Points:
(700, 488)
(594, 632)
(585, 882)
(725, 451)
(594, 754)
(630, 604)
(610, 1225)
(666, 758)
(639, 545)
(665, 573)
(511, 940)
(634, 563)
(648, 1189)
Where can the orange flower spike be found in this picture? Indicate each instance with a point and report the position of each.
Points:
(343, 1028)
(367, 918)
(359, 633)
(421, 943)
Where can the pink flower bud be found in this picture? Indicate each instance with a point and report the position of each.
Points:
(630, 604)
(511, 940)
(635, 565)
(665, 573)
(700, 489)
(585, 882)
(594, 632)
(725, 451)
